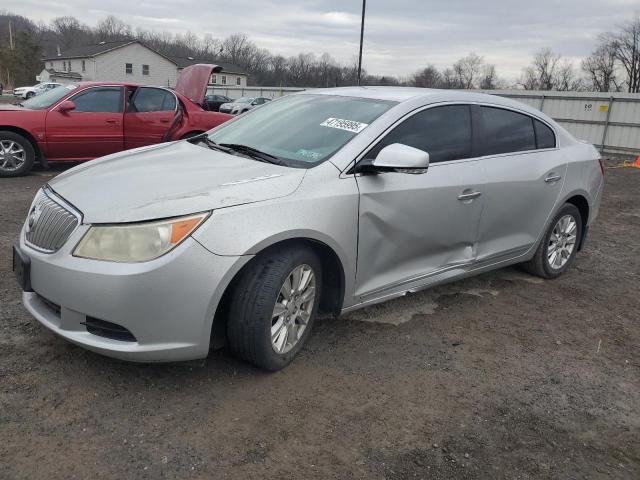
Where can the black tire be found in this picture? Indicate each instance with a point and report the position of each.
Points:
(539, 265)
(29, 95)
(26, 145)
(253, 297)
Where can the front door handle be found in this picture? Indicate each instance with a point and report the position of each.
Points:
(468, 196)
(552, 178)
(112, 121)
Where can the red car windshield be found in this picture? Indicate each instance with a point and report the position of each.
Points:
(45, 100)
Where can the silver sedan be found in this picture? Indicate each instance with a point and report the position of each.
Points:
(329, 200)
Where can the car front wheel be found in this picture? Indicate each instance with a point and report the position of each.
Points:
(273, 306)
(16, 154)
(559, 246)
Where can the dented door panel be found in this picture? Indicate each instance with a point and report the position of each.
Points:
(413, 225)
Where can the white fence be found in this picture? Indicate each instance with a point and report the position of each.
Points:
(237, 92)
(610, 121)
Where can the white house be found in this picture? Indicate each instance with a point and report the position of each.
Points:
(125, 61)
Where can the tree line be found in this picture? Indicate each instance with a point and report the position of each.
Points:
(614, 64)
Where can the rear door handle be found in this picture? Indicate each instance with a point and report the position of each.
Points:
(468, 196)
(552, 178)
(112, 121)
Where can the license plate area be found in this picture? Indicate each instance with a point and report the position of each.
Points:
(22, 269)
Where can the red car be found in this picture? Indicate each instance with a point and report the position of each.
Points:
(83, 121)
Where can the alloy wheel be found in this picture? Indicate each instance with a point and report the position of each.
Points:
(562, 242)
(12, 155)
(293, 308)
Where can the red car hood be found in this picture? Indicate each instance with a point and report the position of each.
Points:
(193, 81)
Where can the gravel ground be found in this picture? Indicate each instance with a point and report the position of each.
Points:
(499, 376)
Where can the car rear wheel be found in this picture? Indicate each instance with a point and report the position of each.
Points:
(273, 306)
(559, 246)
(29, 94)
(16, 154)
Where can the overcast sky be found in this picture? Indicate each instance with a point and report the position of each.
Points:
(400, 35)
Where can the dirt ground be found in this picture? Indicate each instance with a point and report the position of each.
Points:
(499, 376)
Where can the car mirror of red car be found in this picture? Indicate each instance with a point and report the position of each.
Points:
(67, 106)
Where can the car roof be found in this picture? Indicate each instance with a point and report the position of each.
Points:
(425, 95)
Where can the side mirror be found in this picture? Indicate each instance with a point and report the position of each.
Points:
(67, 106)
(398, 157)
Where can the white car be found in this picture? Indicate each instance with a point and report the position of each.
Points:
(28, 92)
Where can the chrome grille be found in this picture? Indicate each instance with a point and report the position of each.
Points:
(49, 224)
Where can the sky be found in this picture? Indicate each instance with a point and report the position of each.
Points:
(401, 36)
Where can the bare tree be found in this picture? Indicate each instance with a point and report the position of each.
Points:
(429, 77)
(468, 69)
(600, 67)
(627, 47)
(489, 78)
(112, 28)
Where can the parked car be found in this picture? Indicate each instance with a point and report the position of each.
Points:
(328, 200)
(28, 92)
(82, 121)
(243, 105)
(214, 101)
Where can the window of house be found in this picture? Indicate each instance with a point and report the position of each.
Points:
(101, 99)
(214, 79)
(128, 68)
(64, 66)
(145, 69)
(545, 137)
(69, 66)
(443, 132)
(50, 64)
(149, 99)
(507, 131)
(238, 81)
(224, 79)
(84, 67)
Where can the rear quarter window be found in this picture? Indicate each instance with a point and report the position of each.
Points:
(545, 138)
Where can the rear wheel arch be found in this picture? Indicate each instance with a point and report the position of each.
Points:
(333, 281)
(581, 203)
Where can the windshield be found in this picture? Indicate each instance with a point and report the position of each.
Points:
(244, 100)
(45, 100)
(302, 130)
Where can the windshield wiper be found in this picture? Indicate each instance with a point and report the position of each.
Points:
(203, 137)
(254, 153)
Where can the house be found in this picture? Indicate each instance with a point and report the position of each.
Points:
(125, 61)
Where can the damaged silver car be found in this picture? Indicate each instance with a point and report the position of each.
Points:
(327, 201)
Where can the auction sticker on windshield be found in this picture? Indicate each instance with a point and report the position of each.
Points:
(348, 125)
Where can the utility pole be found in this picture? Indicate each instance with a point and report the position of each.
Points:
(364, 6)
(10, 37)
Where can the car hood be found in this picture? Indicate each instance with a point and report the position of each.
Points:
(168, 180)
(193, 81)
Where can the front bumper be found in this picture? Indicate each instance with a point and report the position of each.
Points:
(167, 304)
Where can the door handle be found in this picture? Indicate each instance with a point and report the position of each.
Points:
(468, 196)
(164, 120)
(112, 121)
(552, 178)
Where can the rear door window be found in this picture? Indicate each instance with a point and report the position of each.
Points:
(506, 131)
(153, 100)
(443, 132)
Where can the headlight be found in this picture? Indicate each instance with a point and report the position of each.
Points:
(136, 242)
